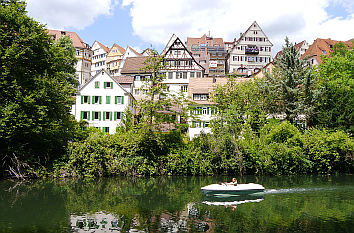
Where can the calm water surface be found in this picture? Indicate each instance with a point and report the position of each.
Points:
(289, 204)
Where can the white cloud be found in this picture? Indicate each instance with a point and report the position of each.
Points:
(61, 14)
(155, 20)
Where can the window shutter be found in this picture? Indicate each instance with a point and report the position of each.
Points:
(116, 99)
(82, 99)
(93, 115)
(104, 115)
(81, 115)
(193, 124)
(208, 111)
(100, 97)
(99, 115)
(110, 116)
(88, 98)
(122, 99)
(88, 115)
(108, 99)
(121, 115)
(111, 85)
(104, 85)
(93, 99)
(115, 116)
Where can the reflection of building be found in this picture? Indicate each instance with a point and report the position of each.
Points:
(250, 52)
(210, 53)
(83, 53)
(97, 222)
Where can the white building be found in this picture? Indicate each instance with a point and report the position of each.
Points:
(102, 102)
(250, 52)
(99, 57)
(129, 52)
(180, 66)
(83, 54)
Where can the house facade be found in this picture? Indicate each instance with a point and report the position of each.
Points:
(99, 57)
(83, 54)
(114, 57)
(129, 52)
(101, 102)
(250, 52)
(210, 53)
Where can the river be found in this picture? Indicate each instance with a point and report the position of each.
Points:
(176, 204)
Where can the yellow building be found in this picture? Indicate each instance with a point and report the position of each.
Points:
(114, 57)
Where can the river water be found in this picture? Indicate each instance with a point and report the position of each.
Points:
(176, 204)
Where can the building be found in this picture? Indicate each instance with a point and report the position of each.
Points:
(250, 52)
(129, 52)
(322, 47)
(83, 53)
(102, 102)
(114, 57)
(303, 46)
(99, 57)
(180, 66)
(210, 53)
(266, 69)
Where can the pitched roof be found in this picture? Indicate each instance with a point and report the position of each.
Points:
(75, 38)
(204, 39)
(103, 46)
(138, 54)
(124, 79)
(243, 34)
(119, 48)
(204, 86)
(148, 51)
(322, 47)
(134, 65)
(296, 45)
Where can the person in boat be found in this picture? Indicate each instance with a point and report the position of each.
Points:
(233, 182)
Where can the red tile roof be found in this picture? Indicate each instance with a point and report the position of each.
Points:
(124, 79)
(119, 48)
(103, 46)
(322, 47)
(133, 50)
(77, 41)
(204, 40)
(134, 65)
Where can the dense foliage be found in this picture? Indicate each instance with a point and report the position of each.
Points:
(37, 80)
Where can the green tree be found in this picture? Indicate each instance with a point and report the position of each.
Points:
(37, 82)
(336, 80)
(290, 85)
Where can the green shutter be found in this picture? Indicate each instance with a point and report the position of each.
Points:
(121, 115)
(208, 111)
(115, 116)
(110, 116)
(105, 85)
(97, 84)
(193, 124)
(111, 85)
(88, 115)
(100, 99)
(122, 99)
(88, 98)
(82, 99)
(81, 115)
(104, 115)
(93, 99)
(108, 99)
(93, 115)
(99, 115)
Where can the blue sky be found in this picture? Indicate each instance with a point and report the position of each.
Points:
(142, 24)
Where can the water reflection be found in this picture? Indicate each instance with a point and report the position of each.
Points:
(307, 204)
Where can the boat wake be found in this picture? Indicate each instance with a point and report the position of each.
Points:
(294, 190)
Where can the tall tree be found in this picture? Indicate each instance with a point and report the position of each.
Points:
(336, 80)
(37, 82)
(290, 85)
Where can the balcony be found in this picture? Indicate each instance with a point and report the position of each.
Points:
(252, 50)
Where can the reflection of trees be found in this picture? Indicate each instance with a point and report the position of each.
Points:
(168, 204)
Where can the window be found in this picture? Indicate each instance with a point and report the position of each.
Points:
(137, 78)
(118, 115)
(192, 75)
(206, 124)
(97, 84)
(96, 115)
(136, 92)
(85, 99)
(119, 100)
(184, 75)
(199, 74)
(178, 75)
(184, 88)
(85, 115)
(205, 111)
(107, 116)
(170, 75)
(77, 52)
(108, 99)
(105, 129)
(108, 85)
(200, 96)
(96, 99)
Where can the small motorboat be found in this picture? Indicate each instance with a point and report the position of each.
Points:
(230, 189)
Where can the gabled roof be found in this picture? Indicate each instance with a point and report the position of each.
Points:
(297, 45)
(99, 73)
(322, 47)
(204, 39)
(118, 47)
(243, 34)
(134, 65)
(148, 51)
(75, 38)
(133, 50)
(102, 46)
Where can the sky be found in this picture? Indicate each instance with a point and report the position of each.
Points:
(145, 24)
